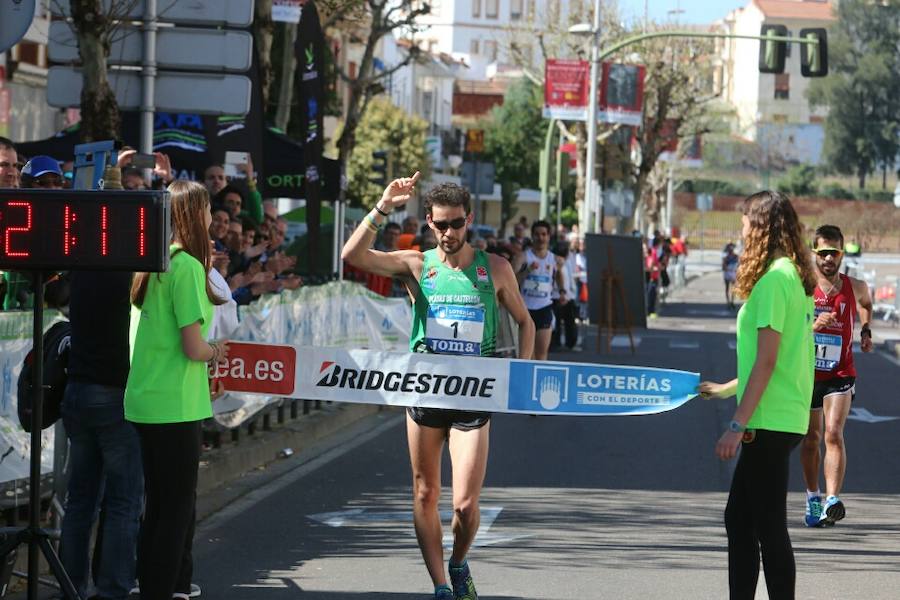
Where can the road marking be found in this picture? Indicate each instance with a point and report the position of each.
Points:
(710, 312)
(621, 341)
(861, 414)
(342, 446)
(683, 345)
(362, 516)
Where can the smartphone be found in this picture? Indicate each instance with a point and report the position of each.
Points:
(235, 158)
(143, 161)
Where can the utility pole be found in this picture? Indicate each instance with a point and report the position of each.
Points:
(592, 126)
(148, 78)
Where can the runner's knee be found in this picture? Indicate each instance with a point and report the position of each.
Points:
(811, 440)
(834, 437)
(425, 494)
(466, 509)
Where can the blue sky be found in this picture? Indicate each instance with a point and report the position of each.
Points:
(695, 11)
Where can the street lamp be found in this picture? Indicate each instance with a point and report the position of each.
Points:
(594, 32)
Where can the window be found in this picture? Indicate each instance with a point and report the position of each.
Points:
(476, 8)
(515, 10)
(490, 50)
(473, 47)
(491, 8)
(782, 86)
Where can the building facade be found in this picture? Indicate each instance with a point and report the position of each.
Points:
(772, 110)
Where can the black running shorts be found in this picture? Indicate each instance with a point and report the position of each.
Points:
(838, 385)
(442, 418)
(542, 317)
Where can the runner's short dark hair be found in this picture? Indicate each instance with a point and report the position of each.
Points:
(541, 223)
(829, 232)
(448, 194)
(6, 143)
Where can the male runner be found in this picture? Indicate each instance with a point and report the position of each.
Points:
(836, 297)
(536, 270)
(457, 279)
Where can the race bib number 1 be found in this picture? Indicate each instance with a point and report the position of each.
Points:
(828, 351)
(455, 329)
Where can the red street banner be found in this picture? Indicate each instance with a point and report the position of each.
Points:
(566, 89)
(621, 94)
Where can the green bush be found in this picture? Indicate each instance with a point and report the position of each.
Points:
(716, 187)
(836, 190)
(800, 180)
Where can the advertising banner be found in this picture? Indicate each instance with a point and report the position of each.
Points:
(621, 94)
(566, 89)
(454, 382)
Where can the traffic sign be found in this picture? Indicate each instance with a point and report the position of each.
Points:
(231, 13)
(176, 48)
(198, 93)
(478, 177)
(15, 18)
(475, 140)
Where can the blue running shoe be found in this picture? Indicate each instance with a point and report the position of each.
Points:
(444, 593)
(463, 586)
(814, 511)
(833, 510)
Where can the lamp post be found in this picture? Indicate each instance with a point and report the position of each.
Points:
(584, 219)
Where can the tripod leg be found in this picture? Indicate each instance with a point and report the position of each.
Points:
(68, 588)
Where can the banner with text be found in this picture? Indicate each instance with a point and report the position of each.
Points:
(454, 382)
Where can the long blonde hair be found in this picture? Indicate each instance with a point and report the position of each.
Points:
(189, 202)
(774, 231)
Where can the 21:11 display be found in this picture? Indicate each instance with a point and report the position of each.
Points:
(84, 230)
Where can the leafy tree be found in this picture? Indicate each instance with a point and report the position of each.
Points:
(385, 127)
(862, 91)
(513, 139)
(368, 21)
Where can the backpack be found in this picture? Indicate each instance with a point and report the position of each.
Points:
(56, 363)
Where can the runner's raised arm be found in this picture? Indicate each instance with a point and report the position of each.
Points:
(358, 249)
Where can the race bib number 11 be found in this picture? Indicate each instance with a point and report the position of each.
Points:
(455, 329)
(828, 351)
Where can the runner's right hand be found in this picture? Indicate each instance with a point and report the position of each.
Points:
(826, 319)
(398, 192)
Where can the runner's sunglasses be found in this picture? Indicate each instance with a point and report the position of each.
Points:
(457, 223)
(824, 252)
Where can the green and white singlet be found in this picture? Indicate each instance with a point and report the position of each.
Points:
(455, 312)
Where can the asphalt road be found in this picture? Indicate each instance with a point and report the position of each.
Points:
(597, 508)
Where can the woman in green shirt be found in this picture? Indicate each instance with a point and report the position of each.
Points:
(774, 387)
(167, 395)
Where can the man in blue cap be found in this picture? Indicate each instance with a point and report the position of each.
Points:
(42, 172)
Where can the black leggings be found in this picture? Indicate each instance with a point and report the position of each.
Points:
(756, 517)
(171, 454)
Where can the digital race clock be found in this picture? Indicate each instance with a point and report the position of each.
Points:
(84, 230)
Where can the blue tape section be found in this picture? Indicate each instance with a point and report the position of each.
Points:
(573, 388)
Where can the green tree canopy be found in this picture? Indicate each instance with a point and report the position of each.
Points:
(513, 139)
(385, 127)
(862, 90)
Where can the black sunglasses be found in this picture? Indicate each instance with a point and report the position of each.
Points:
(458, 223)
(829, 252)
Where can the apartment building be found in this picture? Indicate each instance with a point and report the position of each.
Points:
(772, 110)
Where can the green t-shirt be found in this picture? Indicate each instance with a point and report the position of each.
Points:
(778, 301)
(164, 385)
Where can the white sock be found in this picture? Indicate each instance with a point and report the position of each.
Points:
(810, 494)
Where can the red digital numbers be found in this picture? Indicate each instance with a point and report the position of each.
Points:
(69, 239)
(21, 229)
(104, 230)
(142, 224)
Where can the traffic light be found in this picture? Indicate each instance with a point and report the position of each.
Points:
(381, 167)
(814, 57)
(772, 53)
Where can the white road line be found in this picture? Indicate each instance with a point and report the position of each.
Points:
(683, 345)
(247, 501)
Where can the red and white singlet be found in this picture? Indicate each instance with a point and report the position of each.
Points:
(834, 345)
